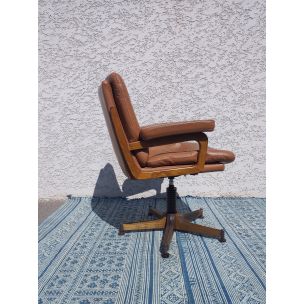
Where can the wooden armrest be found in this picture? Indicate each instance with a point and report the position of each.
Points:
(175, 128)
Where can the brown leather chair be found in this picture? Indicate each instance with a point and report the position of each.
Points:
(157, 151)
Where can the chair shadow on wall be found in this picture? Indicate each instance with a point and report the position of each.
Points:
(107, 187)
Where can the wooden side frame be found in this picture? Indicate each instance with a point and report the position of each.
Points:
(149, 173)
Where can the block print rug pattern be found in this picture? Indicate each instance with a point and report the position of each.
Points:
(83, 260)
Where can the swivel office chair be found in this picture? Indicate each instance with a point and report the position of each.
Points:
(158, 151)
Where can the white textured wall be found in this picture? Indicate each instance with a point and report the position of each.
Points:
(181, 60)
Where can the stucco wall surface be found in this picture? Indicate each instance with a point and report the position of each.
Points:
(181, 60)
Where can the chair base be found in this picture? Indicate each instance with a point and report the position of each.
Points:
(171, 222)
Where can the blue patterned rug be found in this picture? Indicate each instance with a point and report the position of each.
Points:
(83, 260)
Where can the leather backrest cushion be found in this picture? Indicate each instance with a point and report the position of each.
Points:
(124, 107)
(107, 102)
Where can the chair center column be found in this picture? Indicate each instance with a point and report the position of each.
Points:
(171, 196)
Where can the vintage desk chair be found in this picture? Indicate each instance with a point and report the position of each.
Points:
(157, 151)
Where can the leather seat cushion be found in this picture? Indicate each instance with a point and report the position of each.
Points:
(185, 146)
(172, 159)
(215, 156)
(184, 153)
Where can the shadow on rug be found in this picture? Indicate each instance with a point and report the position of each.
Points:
(83, 260)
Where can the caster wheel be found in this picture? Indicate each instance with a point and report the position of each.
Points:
(222, 237)
(202, 215)
(165, 255)
(121, 232)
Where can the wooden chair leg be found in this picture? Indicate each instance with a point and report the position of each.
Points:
(186, 226)
(167, 235)
(143, 226)
(155, 212)
(191, 216)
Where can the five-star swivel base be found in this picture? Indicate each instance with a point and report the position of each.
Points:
(171, 221)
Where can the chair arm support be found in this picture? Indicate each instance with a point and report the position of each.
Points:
(201, 138)
(175, 128)
(142, 144)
